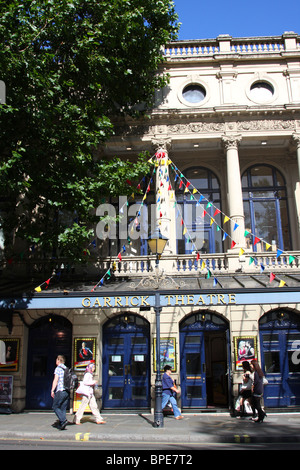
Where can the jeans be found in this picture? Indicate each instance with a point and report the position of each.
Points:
(168, 398)
(60, 404)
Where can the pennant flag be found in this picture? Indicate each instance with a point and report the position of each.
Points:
(241, 252)
(120, 257)
(279, 252)
(282, 283)
(48, 282)
(233, 244)
(187, 184)
(262, 268)
(180, 185)
(204, 213)
(208, 205)
(256, 240)
(226, 219)
(246, 233)
(291, 259)
(38, 289)
(184, 231)
(208, 274)
(251, 260)
(198, 256)
(268, 246)
(203, 265)
(215, 281)
(212, 221)
(225, 236)
(217, 211)
(235, 227)
(194, 191)
(272, 277)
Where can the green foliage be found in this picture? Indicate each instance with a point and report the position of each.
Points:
(69, 67)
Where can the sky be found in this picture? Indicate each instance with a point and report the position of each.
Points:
(239, 18)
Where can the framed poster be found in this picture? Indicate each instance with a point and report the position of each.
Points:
(6, 389)
(245, 349)
(12, 348)
(84, 352)
(167, 353)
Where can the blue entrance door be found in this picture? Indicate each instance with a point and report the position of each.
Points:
(204, 361)
(193, 369)
(48, 337)
(126, 363)
(280, 340)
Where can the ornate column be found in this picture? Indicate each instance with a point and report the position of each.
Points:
(296, 139)
(164, 197)
(235, 196)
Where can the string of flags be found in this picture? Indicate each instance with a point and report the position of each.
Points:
(161, 162)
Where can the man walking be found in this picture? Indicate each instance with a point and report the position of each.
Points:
(169, 391)
(59, 394)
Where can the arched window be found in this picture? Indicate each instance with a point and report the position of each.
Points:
(265, 206)
(201, 234)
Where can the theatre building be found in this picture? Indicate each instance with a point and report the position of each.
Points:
(224, 195)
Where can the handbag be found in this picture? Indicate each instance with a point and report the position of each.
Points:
(83, 389)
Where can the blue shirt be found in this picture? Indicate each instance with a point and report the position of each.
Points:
(167, 383)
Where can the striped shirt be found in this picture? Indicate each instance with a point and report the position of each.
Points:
(60, 372)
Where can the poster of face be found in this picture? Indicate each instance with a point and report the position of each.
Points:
(245, 350)
(84, 352)
(9, 354)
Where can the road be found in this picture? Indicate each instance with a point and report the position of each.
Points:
(146, 449)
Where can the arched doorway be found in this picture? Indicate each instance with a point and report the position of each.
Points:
(280, 357)
(48, 337)
(204, 361)
(126, 362)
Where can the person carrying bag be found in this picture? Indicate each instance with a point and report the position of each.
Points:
(86, 389)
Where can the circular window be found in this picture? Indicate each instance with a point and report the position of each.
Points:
(194, 93)
(261, 92)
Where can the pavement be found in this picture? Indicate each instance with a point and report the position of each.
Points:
(202, 427)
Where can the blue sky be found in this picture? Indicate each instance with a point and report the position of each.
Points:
(238, 18)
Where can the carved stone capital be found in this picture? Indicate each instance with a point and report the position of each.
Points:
(296, 139)
(161, 143)
(231, 141)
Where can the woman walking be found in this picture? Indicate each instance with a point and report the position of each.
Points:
(246, 388)
(258, 389)
(88, 397)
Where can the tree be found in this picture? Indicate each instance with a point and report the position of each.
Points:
(69, 67)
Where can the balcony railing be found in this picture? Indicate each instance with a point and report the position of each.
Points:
(131, 267)
(225, 44)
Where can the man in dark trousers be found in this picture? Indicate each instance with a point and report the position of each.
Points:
(59, 394)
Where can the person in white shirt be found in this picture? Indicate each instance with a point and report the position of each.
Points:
(88, 397)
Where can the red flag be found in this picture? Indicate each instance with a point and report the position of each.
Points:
(256, 240)
(120, 257)
(198, 256)
(217, 211)
(272, 277)
(233, 244)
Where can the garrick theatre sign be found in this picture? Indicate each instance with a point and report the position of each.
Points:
(148, 300)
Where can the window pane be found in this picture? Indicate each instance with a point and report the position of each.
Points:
(262, 176)
(272, 364)
(115, 365)
(193, 364)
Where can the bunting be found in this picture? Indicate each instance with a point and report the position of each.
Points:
(159, 161)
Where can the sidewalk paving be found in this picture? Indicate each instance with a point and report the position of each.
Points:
(203, 428)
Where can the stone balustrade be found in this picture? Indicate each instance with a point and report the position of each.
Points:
(225, 44)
